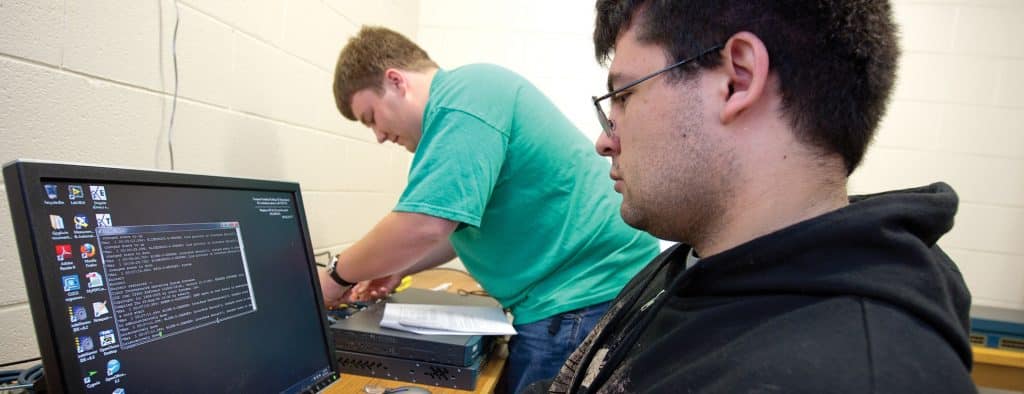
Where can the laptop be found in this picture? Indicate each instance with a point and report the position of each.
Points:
(142, 280)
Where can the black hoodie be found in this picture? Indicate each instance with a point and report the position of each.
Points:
(859, 300)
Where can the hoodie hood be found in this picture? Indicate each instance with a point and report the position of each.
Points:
(881, 247)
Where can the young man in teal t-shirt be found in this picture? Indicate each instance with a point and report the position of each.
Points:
(502, 179)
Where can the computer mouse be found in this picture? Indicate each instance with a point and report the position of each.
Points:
(407, 390)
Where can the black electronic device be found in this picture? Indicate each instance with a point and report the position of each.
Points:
(143, 280)
(415, 371)
(361, 332)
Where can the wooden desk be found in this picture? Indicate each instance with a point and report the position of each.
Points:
(998, 368)
(488, 378)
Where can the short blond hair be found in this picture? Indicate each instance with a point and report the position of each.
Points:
(366, 56)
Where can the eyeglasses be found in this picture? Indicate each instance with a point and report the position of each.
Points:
(607, 124)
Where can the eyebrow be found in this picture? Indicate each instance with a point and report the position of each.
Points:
(613, 78)
(362, 118)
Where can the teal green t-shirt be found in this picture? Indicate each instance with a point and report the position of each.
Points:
(540, 228)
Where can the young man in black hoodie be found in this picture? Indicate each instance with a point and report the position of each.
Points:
(732, 126)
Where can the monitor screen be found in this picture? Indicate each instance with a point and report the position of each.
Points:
(157, 281)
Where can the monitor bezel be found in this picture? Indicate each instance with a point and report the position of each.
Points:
(21, 176)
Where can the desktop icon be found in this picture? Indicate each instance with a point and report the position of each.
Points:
(117, 391)
(107, 338)
(75, 192)
(56, 222)
(70, 282)
(95, 279)
(87, 250)
(51, 191)
(99, 193)
(113, 367)
(88, 378)
(99, 308)
(81, 222)
(84, 343)
(63, 251)
(77, 313)
(103, 220)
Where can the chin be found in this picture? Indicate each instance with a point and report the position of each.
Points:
(631, 216)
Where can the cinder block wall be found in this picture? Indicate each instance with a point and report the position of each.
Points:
(92, 82)
(956, 116)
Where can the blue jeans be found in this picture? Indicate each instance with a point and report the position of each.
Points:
(541, 347)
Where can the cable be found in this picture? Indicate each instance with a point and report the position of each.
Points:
(31, 374)
(329, 256)
(20, 362)
(174, 101)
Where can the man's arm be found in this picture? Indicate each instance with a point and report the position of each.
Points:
(440, 254)
(394, 245)
(397, 243)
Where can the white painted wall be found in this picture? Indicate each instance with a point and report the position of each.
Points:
(957, 115)
(92, 81)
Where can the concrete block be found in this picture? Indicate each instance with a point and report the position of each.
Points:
(344, 217)
(398, 15)
(1011, 83)
(13, 290)
(215, 141)
(315, 32)
(205, 54)
(925, 27)
(989, 30)
(18, 338)
(994, 278)
(955, 128)
(368, 167)
(132, 44)
(53, 115)
(32, 30)
(274, 84)
(945, 78)
(260, 19)
(987, 228)
(970, 175)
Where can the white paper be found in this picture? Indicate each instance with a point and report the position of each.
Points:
(446, 319)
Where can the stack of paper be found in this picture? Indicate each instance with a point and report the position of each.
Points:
(446, 319)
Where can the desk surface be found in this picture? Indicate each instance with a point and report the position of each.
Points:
(998, 368)
(487, 380)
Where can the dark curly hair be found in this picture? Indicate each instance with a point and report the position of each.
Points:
(835, 59)
(364, 59)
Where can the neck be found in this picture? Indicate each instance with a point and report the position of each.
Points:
(783, 183)
(421, 81)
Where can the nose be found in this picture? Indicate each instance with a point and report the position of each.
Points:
(607, 146)
(381, 136)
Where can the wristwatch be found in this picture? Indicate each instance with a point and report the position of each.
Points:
(332, 271)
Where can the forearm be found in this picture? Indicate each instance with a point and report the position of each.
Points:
(440, 254)
(398, 242)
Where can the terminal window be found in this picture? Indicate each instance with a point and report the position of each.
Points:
(165, 280)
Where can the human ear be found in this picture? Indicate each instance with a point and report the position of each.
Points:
(745, 61)
(394, 78)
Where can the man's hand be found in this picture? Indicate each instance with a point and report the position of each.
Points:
(334, 294)
(371, 290)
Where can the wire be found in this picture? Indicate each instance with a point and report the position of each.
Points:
(174, 101)
(315, 256)
(31, 374)
(20, 362)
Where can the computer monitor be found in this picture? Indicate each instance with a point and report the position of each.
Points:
(159, 281)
